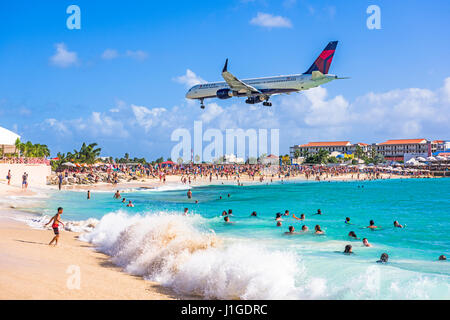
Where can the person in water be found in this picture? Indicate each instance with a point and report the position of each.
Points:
(319, 212)
(186, 210)
(384, 258)
(227, 219)
(286, 213)
(253, 214)
(302, 216)
(278, 217)
(304, 228)
(230, 212)
(117, 195)
(442, 258)
(397, 225)
(189, 194)
(130, 204)
(318, 230)
(348, 249)
(55, 225)
(372, 225)
(123, 200)
(89, 194)
(291, 230)
(279, 224)
(224, 213)
(366, 242)
(347, 221)
(352, 234)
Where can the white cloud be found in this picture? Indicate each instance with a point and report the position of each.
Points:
(137, 55)
(212, 111)
(63, 58)
(146, 117)
(110, 54)
(270, 21)
(190, 79)
(57, 125)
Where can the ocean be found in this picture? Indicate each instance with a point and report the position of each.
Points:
(252, 258)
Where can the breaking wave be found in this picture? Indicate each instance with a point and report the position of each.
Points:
(167, 248)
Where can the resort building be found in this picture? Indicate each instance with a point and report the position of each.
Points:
(404, 149)
(270, 160)
(330, 146)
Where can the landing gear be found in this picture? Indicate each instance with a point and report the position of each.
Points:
(267, 103)
(202, 106)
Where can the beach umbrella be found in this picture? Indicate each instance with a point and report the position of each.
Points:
(68, 164)
(431, 158)
(421, 159)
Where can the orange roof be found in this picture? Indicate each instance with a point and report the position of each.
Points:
(404, 141)
(327, 144)
(362, 144)
(438, 141)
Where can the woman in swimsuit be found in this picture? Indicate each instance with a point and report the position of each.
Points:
(55, 225)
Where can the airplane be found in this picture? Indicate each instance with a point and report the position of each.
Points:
(259, 90)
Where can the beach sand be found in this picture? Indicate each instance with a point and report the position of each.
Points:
(30, 269)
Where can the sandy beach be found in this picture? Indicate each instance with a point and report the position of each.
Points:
(30, 269)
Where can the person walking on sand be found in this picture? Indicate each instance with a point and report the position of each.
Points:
(24, 180)
(8, 177)
(55, 225)
(60, 180)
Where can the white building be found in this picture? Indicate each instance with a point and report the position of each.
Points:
(7, 141)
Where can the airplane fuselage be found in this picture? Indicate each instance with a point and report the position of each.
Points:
(267, 86)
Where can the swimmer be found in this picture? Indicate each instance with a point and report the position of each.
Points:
(286, 213)
(130, 204)
(253, 214)
(196, 201)
(230, 212)
(304, 228)
(352, 234)
(278, 217)
(372, 225)
(442, 258)
(189, 194)
(319, 212)
(366, 243)
(318, 229)
(224, 213)
(123, 200)
(279, 223)
(117, 195)
(227, 219)
(348, 249)
(186, 210)
(220, 198)
(347, 221)
(291, 231)
(89, 194)
(384, 258)
(229, 195)
(397, 225)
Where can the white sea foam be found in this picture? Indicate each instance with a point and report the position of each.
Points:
(168, 248)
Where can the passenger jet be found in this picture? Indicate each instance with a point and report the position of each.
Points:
(261, 89)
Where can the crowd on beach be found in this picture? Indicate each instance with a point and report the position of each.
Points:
(114, 174)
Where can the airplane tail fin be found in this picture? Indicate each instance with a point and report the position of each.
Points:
(323, 62)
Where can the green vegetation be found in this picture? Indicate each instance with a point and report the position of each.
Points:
(31, 150)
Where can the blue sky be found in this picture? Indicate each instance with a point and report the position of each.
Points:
(117, 80)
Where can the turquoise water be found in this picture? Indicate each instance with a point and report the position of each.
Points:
(315, 263)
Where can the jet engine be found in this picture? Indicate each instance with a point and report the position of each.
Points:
(224, 93)
(255, 99)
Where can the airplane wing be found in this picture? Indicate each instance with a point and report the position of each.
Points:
(236, 84)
